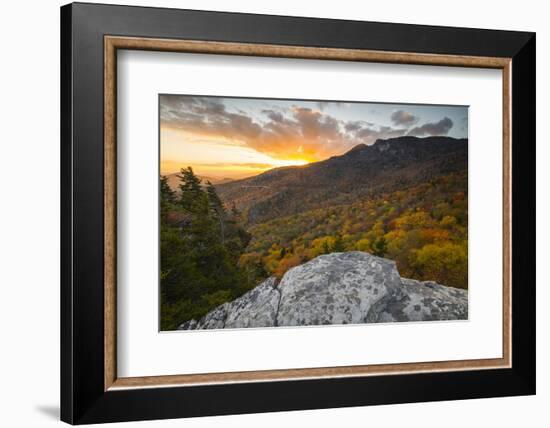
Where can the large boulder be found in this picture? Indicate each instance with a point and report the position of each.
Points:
(339, 288)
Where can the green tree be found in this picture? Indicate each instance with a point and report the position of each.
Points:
(217, 209)
(200, 255)
(192, 197)
(167, 195)
(379, 247)
(338, 245)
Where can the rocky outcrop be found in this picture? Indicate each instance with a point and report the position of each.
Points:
(339, 288)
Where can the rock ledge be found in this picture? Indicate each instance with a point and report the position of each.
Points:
(339, 288)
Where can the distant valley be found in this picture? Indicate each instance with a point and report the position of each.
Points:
(174, 181)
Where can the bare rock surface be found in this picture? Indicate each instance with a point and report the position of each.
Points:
(422, 301)
(256, 308)
(338, 288)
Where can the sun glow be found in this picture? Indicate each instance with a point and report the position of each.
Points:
(289, 162)
(216, 158)
(233, 171)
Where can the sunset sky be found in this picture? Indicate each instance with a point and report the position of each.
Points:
(240, 137)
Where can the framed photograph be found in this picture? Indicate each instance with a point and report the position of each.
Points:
(265, 213)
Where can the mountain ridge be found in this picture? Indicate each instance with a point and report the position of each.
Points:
(364, 170)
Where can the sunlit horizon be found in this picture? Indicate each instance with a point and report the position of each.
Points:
(235, 138)
(217, 158)
(233, 172)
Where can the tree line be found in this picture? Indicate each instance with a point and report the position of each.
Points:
(200, 246)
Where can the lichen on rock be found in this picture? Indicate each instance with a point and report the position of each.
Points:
(338, 288)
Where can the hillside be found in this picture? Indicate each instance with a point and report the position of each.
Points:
(364, 171)
(404, 199)
(423, 228)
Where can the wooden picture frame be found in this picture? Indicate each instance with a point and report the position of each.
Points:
(91, 390)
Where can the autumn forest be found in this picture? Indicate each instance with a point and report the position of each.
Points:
(404, 198)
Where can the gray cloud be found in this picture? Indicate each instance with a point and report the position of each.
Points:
(297, 132)
(403, 118)
(206, 116)
(370, 134)
(275, 116)
(433, 128)
(356, 125)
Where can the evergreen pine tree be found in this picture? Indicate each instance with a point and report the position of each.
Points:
(217, 210)
(167, 195)
(338, 245)
(167, 198)
(192, 197)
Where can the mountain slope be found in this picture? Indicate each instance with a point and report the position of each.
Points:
(385, 166)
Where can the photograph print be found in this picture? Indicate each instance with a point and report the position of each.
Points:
(288, 212)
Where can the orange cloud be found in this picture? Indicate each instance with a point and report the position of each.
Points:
(297, 133)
